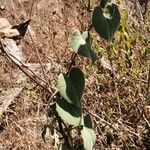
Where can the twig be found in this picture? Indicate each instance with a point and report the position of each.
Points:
(114, 78)
(31, 9)
(43, 70)
(89, 5)
(37, 50)
(61, 130)
(20, 67)
(147, 122)
(49, 59)
(24, 66)
(128, 129)
(144, 116)
(74, 55)
(102, 120)
(53, 96)
(148, 84)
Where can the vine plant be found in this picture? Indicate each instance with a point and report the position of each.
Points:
(67, 122)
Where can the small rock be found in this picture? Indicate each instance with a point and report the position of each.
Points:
(2, 7)
(4, 23)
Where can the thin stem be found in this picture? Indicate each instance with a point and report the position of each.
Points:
(89, 5)
(21, 65)
(55, 93)
(102, 120)
(73, 57)
(148, 83)
(31, 9)
(90, 25)
(114, 77)
(61, 130)
(40, 61)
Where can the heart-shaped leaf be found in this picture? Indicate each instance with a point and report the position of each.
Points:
(68, 112)
(106, 20)
(81, 45)
(71, 86)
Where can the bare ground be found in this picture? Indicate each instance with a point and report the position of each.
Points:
(48, 38)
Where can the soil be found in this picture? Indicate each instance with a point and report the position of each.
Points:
(48, 41)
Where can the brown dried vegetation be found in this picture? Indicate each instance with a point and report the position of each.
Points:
(53, 22)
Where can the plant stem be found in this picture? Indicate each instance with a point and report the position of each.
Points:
(114, 77)
(63, 133)
(23, 68)
(73, 56)
(89, 5)
(148, 83)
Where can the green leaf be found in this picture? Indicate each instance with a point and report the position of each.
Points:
(77, 78)
(87, 133)
(71, 87)
(77, 40)
(89, 138)
(67, 89)
(81, 45)
(103, 3)
(68, 112)
(106, 20)
(63, 146)
(87, 121)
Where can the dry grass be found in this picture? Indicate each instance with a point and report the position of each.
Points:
(52, 24)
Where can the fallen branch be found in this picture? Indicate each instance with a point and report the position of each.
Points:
(22, 67)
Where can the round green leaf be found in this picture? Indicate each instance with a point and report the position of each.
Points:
(68, 112)
(67, 89)
(81, 45)
(106, 20)
(71, 87)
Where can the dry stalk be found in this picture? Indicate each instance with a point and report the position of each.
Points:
(31, 9)
(114, 77)
(102, 120)
(38, 56)
(148, 83)
(23, 68)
